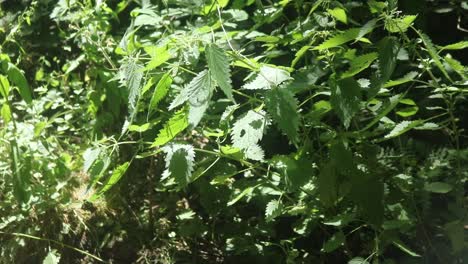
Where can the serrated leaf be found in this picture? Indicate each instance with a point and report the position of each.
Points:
(402, 128)
(218, 64)
(339, 39)
(359, 64)
(334, 242)
(159, 55)
(401, 24)
(273, 209)
(407, 78)
(282, 106)
(130, 75)
(160, 91)
(438, 187)
(114, 178)
(388, 53)
(267, 78)
(179, 163)
(198, 94)
(345, 99)
(248, 131)
(433, 53)
(174, 126)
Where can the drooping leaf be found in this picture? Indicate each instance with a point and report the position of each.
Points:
(174, 126)
(17, 78)
(282, 106)
(267, 78)
(179, 163)
(247, 131)
(366, 28)
(345, 98)
(218, 64)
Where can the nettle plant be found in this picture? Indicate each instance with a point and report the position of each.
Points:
(325, 138)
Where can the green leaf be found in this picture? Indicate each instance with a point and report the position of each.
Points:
(366, 28)
(402, 128)
(4, 86)
(358, 260)
(52, 257)
(456, 46)
(282, 106)
(174, 126)
(160, 91)
(359, 64)
(89, 157)
(327, 184)
(245, 192)
(389, 106)
(114, 178)
(295, 173)
(433, 53)
(299, 54)
(345, 98)
(130, 75)
(388, 53)
(248, 131)
(438, 187)
(405, 248)
(179, 163)
(339, 39)
(198, 94)
(401, 24)
(17, 77)
(336, 241)
(273, 209)
(267, 78)
(6, 113)
(456, 233)
(407, 78)
(339, 14)
(218, 64)
(159, 55)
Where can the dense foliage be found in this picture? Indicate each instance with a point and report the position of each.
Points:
(242, 131)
